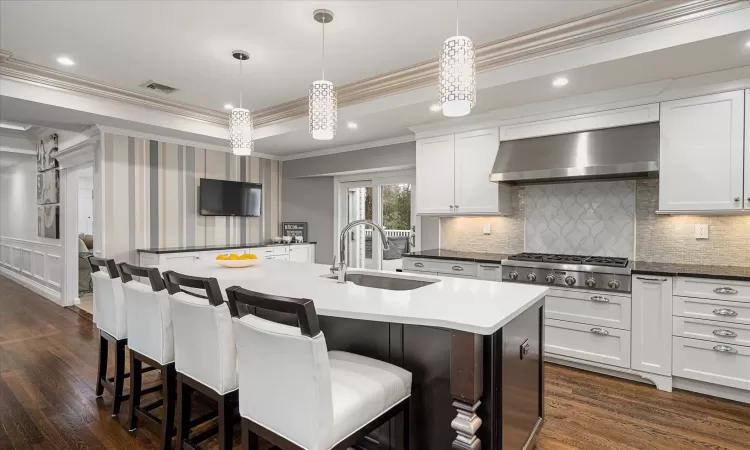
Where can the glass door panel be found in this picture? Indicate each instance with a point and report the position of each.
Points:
(396, 217)
(357, 202)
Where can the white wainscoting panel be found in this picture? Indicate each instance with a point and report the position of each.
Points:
(53, 270)
(26, 262)
(5, 255)
(36, 265)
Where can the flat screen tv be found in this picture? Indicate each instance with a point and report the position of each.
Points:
(229, 198)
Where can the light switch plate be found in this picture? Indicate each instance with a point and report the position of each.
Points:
(487, 228)
(701, 231)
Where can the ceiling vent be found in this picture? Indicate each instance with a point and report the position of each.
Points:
(158, 87)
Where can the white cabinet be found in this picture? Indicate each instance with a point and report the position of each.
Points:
(489, 272)
(300, 253)
(435, 172)
(712, 362)
(651, 348)
(453, 175)
(702, 153)
(586, 342)
(747, 149)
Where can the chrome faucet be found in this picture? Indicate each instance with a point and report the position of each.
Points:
(342, 246)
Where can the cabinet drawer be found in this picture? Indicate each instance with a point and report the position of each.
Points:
(270, 251)
(457, 268)
(490, 272)
(701, 308)
(733, 291)
(702, 361)
(592, 309)
(598, 344)
(710, 330)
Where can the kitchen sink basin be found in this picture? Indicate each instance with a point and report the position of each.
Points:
(384, 281)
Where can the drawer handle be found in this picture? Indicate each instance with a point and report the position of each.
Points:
(599, 330)
(725, 291)
(725, 312)
(724, 349)
(488, 267)
(725, 333)
(599, 298)
(457, 268)
(418, 265)
(660, 280)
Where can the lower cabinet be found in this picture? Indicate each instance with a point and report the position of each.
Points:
(652, 324)
(300, 253)
(712, 362)
(603, 345)
(440, 267)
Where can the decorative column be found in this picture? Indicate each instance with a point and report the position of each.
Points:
(467, 387)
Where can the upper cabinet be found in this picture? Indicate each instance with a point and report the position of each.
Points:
(747, 150)
(453, 175)
(703, 154)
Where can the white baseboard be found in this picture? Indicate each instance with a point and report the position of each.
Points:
(32, 285)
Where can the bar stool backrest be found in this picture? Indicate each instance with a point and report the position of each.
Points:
(109, 304)
(150, 330)
(203, 336)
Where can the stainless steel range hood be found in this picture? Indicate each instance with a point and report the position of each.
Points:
(623, 152)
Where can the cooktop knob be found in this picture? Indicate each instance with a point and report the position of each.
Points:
(614, 284)
(531, 276)
(513, 275)
(590, 282)
(549, 278)
(570, 281)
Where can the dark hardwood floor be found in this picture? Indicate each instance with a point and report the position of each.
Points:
(48, 365)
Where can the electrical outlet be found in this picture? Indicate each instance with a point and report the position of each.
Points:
(701, 231)
(487, 228)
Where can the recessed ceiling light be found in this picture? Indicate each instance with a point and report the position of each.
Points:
(435, 107)
(747, 44)
(352, 125)
(65, 61)
(559, 82)
(228, 106)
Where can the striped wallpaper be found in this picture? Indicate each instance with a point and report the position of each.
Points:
(151, 196)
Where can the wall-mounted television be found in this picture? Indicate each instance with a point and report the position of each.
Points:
(229, 198)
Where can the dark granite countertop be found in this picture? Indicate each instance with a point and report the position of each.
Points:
(205, 248)
(458, 256)
(736, 273)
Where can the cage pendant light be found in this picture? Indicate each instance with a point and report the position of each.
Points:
(458, 77)
(240, 120)
(323, 106)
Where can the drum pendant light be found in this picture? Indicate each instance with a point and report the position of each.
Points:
(458, 78)
(240, 120)
(323, 106)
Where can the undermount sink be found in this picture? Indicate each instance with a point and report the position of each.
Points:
(384, 281)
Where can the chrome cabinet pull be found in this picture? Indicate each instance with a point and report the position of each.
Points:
(736, 199)
(724, 349)
(725, 291)
(489, 267)
(725, 312)
(599, 330)
(725, 333)
(418, 264)
(599, 298)
(457, 268)
(660, 280)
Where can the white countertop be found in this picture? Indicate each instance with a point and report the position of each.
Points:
(463, 304)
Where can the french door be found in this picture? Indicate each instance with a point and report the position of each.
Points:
(387, 199)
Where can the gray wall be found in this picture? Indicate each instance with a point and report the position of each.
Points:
(389, 157)
(311, 200)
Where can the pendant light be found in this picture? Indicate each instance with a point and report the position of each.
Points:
(240, 120)
(458, 78)
(322, 100)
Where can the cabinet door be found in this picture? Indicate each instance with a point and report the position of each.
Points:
(489, 272)
(435, 176)
(747, 149)
(652, 324)
(300, 253)
(166, 258)
(475, 154)
(701, 154)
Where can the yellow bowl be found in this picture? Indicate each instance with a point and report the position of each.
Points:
(236, 263)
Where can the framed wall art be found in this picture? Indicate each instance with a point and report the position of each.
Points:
(45, 153)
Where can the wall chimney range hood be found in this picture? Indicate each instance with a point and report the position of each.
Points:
(622, 152)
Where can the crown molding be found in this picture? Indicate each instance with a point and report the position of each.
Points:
(641, 16)
(351, 148)
(80, 153)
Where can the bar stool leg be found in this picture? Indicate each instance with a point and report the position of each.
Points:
(249, 439)
(184, 403)
(225, 423)
(169, 376)
(406, 424)
(136, 377)
(119, 376)
(102, 372)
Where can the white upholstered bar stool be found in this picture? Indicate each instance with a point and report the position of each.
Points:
(205, 355)
(110, 319)
(297, 395)
(151, 342)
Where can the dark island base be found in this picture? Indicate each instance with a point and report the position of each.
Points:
(469, 391)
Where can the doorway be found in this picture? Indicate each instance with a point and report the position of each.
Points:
(387, 199)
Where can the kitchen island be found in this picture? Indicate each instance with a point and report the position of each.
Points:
(474, 347)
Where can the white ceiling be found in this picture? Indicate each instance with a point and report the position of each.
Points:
(681, 61)
(188, 45)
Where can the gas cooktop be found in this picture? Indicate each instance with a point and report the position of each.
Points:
(609, 261)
